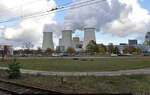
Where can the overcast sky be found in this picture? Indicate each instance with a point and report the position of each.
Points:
(116, 21)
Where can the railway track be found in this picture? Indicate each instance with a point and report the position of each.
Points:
(22, 89)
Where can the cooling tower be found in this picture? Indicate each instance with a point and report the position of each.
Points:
(47, 40)
(67, 38)
(89, 34)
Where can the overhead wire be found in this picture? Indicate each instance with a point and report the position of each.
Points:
(57, 9)
(65, 8)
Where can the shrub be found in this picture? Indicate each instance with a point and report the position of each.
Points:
(75, 58)
(70, 50)
(14, 69)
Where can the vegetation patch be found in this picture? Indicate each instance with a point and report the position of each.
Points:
(82, 64)
(103, 84)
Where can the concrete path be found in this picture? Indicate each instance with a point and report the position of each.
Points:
(113, 73)
(73, 57)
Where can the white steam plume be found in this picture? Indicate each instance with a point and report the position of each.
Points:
(29, 29)
(119, 17)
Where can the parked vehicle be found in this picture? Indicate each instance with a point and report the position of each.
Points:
(55, 55)
(146, 54)
(125, 54)
(23, 55)
(113, 55)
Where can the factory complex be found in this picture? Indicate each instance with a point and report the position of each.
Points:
(89, 34)
(80, 46)
(67, 40)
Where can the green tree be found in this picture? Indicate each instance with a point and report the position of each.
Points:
(102, 49)
(26, 51)
(138, 50)
(131, 49)
(49, 51)
(92, 47)
(70, 50)
(14, 69)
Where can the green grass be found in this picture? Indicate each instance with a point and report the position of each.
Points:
(103, 84)
(70, 65)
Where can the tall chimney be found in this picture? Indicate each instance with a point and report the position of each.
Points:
(67, 38)
(89, 34)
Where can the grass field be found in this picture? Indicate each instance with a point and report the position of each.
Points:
(82, 65)
(115, 84)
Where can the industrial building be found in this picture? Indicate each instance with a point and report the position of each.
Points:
(121, 47)
(147, 36)
(147, 41)
(75, 42)
(132, 42)
(47, 39)
(89, 34)
(67, 38)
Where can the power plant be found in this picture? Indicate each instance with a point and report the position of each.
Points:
(47, 39)
(89, 34)
(67, 40)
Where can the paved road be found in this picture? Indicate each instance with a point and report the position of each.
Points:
(73, 57)
(113, 73)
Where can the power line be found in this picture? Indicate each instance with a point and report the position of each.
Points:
(52, 10)
(21, 5)
(65, 8)
(39, 14)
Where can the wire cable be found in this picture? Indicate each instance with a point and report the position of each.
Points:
(71, 7)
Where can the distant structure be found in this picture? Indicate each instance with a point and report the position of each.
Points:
(132, 42)
(47, 40)
(77, 44)
(147, 36)
(67, 38)
(60, 42)
(89, 34)
(147, 41)
(76, 41)
(8, 47)
(123, 44)
(60, 46)
(121, 47)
